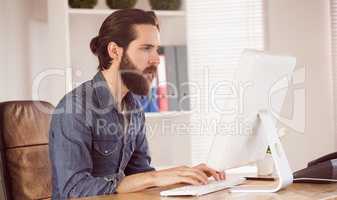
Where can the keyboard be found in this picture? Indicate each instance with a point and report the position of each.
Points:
(199, 190)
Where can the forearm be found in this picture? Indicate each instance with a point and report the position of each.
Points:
(137, 182)
(84, 184)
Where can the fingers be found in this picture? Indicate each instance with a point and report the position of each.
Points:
(185, 171)
(195, 174)
(189, 175)
(189, 180)
(222, 175)
(195, 170)
(201, 173)
(217, 175)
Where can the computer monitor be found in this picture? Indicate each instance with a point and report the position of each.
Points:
(261, 74)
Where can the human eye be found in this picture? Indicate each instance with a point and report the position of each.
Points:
(146, 48)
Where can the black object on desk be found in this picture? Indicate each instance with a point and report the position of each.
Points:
(321, 170)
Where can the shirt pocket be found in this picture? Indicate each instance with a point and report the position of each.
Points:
(106, 156)
(106, 148)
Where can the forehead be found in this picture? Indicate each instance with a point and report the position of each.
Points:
(146, 34)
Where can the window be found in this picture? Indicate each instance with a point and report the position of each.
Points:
(217, 32)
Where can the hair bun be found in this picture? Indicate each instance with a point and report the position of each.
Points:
(94, 45)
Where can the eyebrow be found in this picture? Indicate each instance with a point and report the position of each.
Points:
(149, 45)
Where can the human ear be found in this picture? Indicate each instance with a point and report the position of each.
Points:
(115, 52)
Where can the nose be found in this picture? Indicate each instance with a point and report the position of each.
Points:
(155, 59)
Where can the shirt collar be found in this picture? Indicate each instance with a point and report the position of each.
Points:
(104, 96)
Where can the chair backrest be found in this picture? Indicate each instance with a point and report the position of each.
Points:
(25, 166)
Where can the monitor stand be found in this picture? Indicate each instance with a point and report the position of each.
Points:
(281, 163)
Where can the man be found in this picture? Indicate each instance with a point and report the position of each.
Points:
(97, 136)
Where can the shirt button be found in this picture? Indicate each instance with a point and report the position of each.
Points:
(106, 151)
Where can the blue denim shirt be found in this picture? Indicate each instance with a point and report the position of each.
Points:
(149, 103)
(91, 149)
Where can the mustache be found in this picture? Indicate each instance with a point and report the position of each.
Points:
(150, 69)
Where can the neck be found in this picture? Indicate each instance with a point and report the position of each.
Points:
(116, 86)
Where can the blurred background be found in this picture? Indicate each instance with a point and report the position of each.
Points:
(44, 53)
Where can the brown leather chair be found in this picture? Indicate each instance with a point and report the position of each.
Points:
(25, 170)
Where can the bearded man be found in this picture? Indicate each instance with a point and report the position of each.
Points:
(97, 137)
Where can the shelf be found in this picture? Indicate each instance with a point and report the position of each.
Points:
(159, 13)
(167, 114)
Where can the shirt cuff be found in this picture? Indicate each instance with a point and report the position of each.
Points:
(116, 178)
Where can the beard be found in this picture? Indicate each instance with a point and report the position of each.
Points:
(135, 80)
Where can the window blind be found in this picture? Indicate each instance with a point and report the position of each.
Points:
(217, 32)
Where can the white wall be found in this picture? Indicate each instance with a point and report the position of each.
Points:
(14, 67)
(23, 46)
(301, 28)
(3, 54)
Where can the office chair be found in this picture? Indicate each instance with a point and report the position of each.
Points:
(25, 170)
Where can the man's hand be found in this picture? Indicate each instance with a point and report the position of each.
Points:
(197, 175)
(217, 175)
